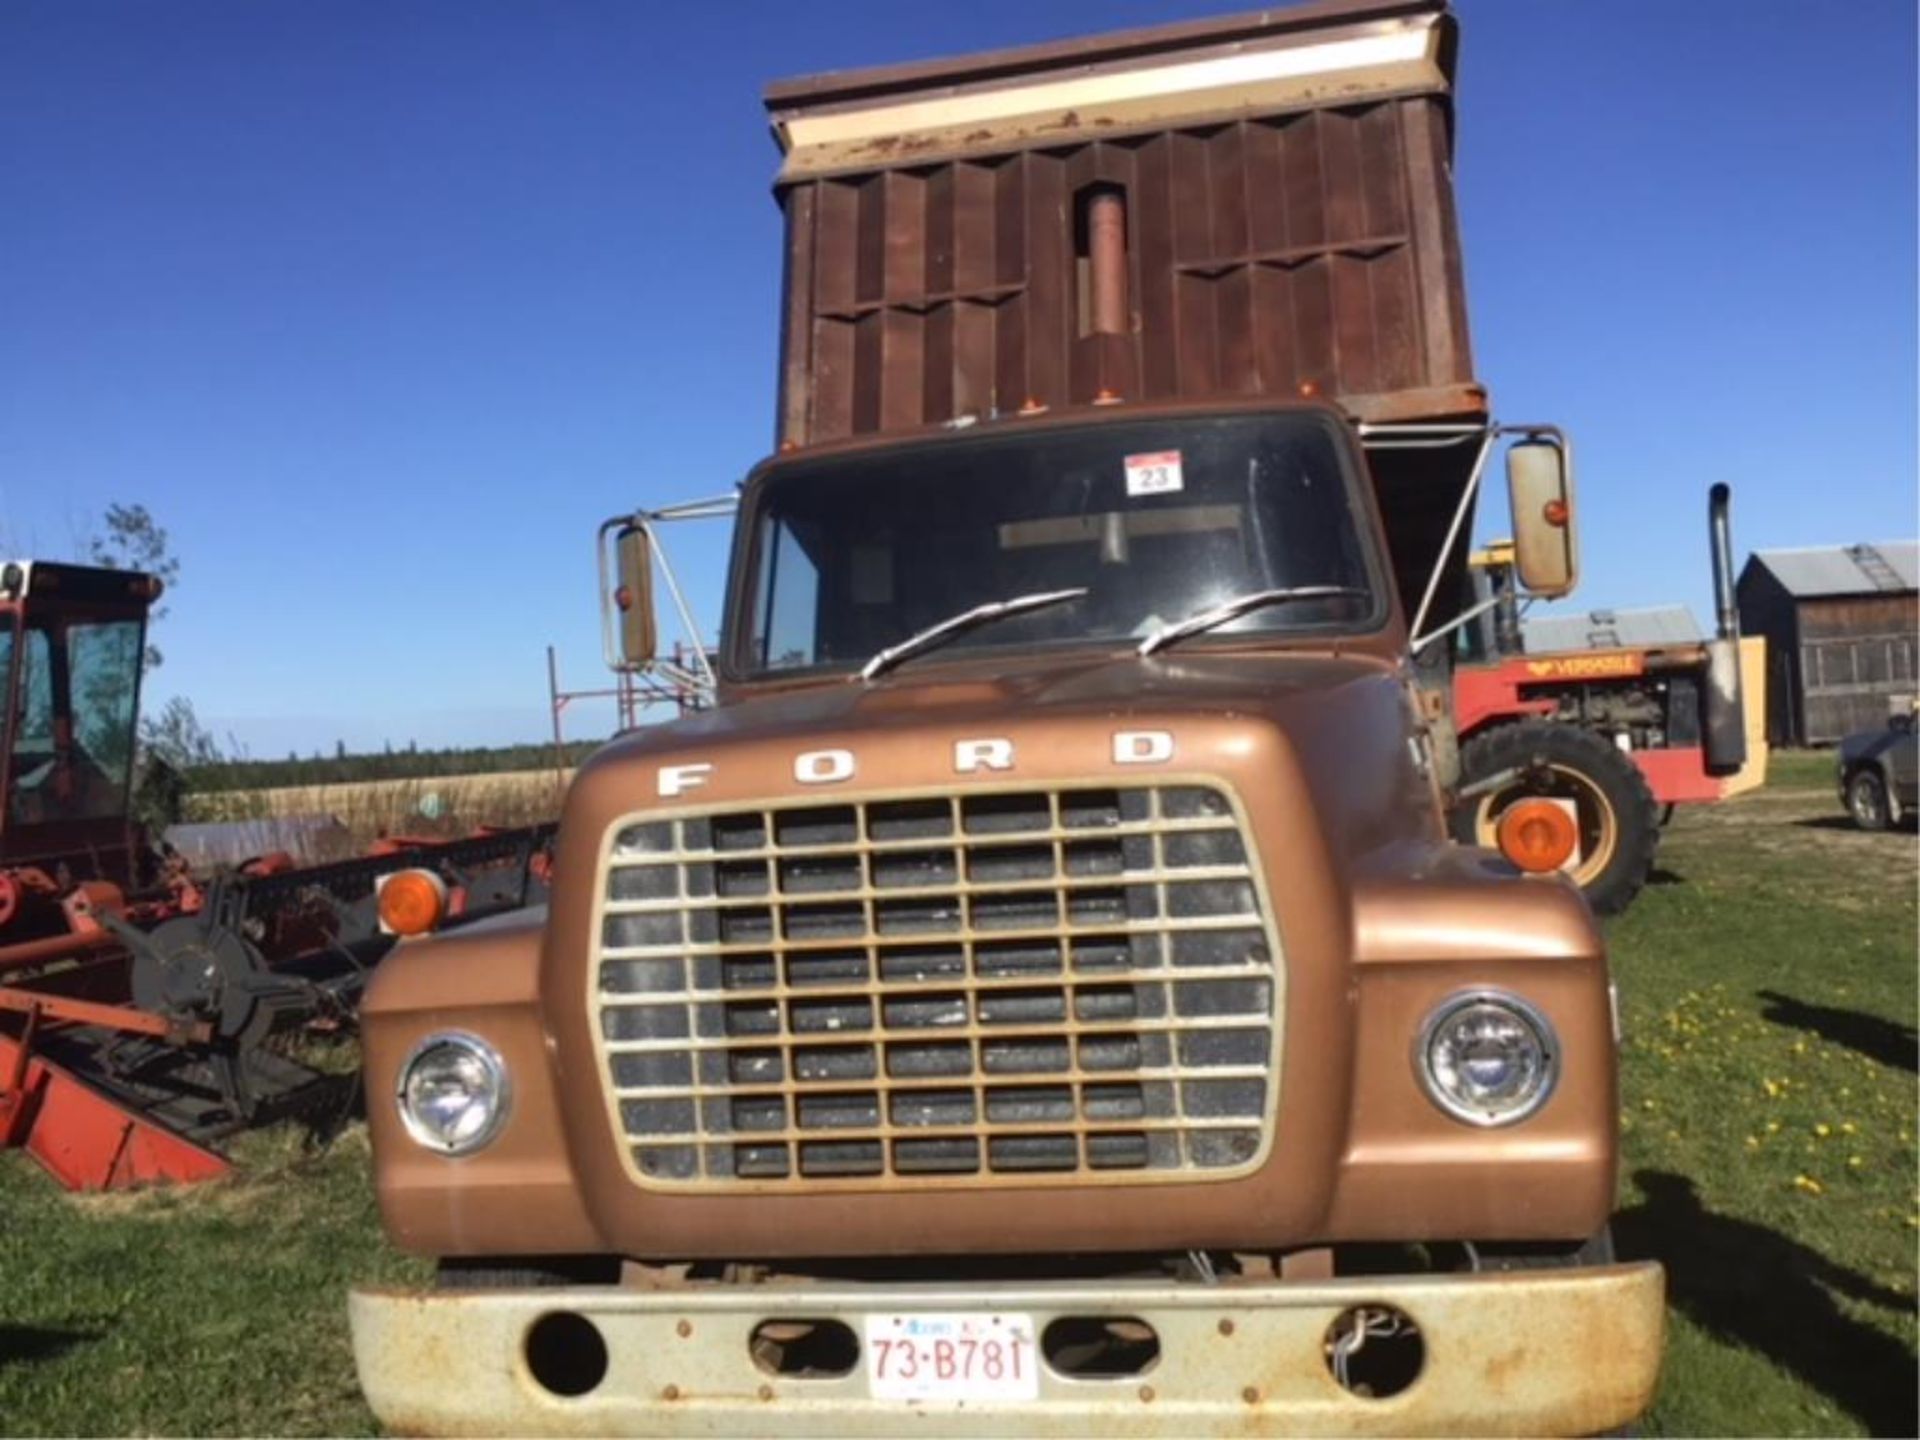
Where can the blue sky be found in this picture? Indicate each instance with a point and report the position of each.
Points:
(381, 307)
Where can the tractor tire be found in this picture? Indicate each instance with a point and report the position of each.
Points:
(1618, 817)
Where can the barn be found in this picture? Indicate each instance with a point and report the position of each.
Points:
(1840, 624)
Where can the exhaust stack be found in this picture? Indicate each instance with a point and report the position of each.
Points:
(1722, 712)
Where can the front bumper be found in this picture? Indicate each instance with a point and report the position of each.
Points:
(1552, 1352)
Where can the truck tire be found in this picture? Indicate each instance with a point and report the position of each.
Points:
(1618, 817)
(1868, 801)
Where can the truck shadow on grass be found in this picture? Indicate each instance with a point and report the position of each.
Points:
(23, 1344)
(1887, 1041)
(1751, 1286)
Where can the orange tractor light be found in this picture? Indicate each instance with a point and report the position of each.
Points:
(413, 902)
(1537, 835)
(1554, 512)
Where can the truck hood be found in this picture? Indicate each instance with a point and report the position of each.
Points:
(1337, 731)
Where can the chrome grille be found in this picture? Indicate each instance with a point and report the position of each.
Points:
(939, 990)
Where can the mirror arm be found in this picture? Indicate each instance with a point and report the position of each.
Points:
(711, 508)
(703, 667)
(1393, 436)
(700, 674)
(1420, 642)
(1460, 513)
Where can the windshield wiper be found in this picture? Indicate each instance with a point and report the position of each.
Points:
(966, 620)
(1240, 605)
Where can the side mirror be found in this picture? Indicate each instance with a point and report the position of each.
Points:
(632, 596)
(1540, 484)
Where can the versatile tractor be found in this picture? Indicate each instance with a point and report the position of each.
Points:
(143, 1007)
(1601, 742)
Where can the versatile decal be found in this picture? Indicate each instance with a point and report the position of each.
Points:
(1578, 667)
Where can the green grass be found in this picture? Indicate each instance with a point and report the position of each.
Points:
(214, 1309)
(1768, 991)
(219, 1310)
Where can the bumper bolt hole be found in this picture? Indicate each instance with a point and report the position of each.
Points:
(1374, 1351)
(566, 1353)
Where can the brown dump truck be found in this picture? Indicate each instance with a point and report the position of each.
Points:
(1038, 993)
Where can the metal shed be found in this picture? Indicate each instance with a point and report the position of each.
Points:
(1639, 627)
(1840, 623)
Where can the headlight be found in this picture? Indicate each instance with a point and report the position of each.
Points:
(453, 1093)
(1488, 1058)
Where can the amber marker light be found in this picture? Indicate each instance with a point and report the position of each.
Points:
(1537, 835)
(1554, 512)
(412, 902)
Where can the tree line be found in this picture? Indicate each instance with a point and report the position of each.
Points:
(416, 762)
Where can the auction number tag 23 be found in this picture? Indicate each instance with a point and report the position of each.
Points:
(974, 1355)
(1157, 473)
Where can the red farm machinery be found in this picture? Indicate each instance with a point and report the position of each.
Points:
(146, 1011)
(1614, 736)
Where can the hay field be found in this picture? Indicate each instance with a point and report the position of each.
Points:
(367, 809)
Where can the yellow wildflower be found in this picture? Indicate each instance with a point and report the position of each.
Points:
(1808, 1184)
(1823, 1129)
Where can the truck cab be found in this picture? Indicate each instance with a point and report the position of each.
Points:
(1038, 991)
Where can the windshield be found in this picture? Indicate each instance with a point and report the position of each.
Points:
(1156, 520)
(88, 673)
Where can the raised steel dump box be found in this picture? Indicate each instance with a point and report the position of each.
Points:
(1284, 197)
(1259, 205)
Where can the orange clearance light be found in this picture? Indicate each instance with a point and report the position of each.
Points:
(1309, 389)
(1537, 835)
(623, 597)
(412, 902)
(1554, 512)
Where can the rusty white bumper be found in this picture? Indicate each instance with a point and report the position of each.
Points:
(1563, 1352)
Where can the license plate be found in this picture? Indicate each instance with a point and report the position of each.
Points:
(960, 1356)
